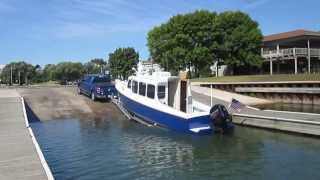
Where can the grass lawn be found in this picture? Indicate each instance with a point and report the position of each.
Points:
(261, 78)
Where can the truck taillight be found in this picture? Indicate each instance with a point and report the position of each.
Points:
(98, 90)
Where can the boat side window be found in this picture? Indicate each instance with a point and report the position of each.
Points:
(142, 88)
(150, 91)
(129, 84)
(134, 86)
(161, 92)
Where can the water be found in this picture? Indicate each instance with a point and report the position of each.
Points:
(119, 149)
(308, 108)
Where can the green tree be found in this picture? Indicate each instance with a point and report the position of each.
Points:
(38, 76)
(239, 40)
(121, 62)
(98, 61)
(200, 38)
(22, 73)
(48, 72)
(68, 71)
(184, 41)
(95, 66)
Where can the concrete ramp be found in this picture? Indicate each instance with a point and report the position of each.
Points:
(47, 103)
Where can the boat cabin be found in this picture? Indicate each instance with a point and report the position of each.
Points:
(161, 87)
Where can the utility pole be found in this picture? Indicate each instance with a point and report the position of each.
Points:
(217, 69)
(26, 79)
(19, 78)
(11, 75)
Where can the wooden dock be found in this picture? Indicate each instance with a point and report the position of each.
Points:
(21, 157)
(304, 123)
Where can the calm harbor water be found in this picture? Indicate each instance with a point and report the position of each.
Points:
(120, 149)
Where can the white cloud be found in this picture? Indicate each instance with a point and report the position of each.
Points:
(80, 18)
(252, 4)
(76, 30)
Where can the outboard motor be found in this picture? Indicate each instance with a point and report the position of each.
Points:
(220, 118)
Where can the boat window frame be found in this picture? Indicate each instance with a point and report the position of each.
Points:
(129, 85)
(134, 88)
(142, 84)
(148, 91)
(161, 97)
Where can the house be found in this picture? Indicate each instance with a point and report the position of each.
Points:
(1, 68)
(291, 52)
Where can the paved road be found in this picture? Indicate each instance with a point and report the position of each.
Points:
(18, 156)
(200, 97)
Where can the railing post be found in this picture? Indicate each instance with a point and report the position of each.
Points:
(211, 94)
(271, 67)
(309, 57)
(295, 65)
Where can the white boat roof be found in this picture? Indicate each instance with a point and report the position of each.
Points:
(155, 78)
(151, 74)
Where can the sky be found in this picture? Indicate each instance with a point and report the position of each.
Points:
(51, 31)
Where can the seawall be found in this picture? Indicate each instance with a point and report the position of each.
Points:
(302, 92)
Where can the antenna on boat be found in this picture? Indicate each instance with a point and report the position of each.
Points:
(151, 63)
(211, 103)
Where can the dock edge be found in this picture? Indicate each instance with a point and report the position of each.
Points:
(36, 144)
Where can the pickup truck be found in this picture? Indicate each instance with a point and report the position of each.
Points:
(97, 86)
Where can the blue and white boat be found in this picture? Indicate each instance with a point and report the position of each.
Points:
(154, 97)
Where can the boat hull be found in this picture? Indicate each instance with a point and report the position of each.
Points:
(194, 125)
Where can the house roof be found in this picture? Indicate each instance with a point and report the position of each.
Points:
(290, 34)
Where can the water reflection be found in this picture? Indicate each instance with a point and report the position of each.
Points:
(119, 149)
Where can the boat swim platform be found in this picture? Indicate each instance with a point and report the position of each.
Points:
(21, 156)
(294, 122)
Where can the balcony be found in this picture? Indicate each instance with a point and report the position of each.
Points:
(290, 53)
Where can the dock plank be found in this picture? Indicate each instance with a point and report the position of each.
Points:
(18, 159)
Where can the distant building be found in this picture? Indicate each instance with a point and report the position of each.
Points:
(1, 68)
(291, 52)
(218, 70)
